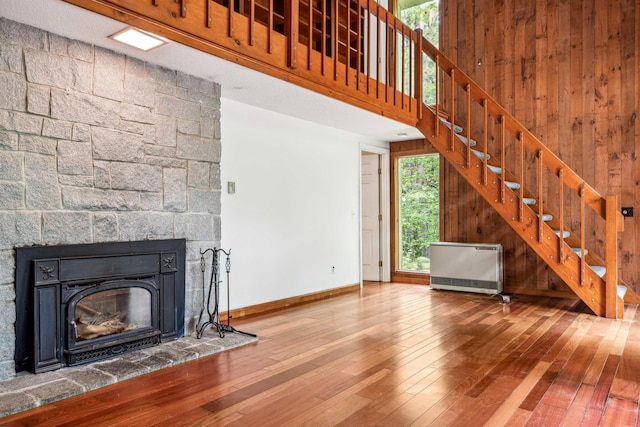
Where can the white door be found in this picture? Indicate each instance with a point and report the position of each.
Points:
(371, 259)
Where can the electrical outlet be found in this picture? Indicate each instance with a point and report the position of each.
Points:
(333, 269)
(627, 212)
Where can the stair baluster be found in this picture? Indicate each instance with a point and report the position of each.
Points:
(437, 122)
(419, 56)
(613, 307)
(467, 89)
(502, 158)
(540, 197)
(561, 215)
(252, 14)
(521, 179)
(453, 109)
(583, 263)
(403, 61)
(485, 134)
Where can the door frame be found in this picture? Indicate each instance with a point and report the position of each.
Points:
(418, 147)
(385, 205)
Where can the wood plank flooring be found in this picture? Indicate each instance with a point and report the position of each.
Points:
(391, 355)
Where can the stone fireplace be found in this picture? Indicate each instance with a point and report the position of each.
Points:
(82, 303)
(99, 148)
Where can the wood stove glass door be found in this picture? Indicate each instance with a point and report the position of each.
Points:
(111, 312)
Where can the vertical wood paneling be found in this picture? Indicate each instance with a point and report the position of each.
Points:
(564, 89)
(632, 228)
(512, 249)
(573, 150)
(628, 76)
(601, 100)
(614, 107)
(570, 71)
(549, 89)
(523, 256)
(588, 107)
(541, 128)
(496, 81)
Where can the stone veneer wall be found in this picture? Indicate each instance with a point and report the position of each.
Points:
(96, 146)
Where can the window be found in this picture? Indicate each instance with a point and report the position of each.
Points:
(423, 14)
(419, 210)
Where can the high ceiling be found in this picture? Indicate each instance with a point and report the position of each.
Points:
(238, 83)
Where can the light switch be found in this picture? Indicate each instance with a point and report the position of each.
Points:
(231, 187)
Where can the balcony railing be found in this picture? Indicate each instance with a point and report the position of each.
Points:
(352, 50)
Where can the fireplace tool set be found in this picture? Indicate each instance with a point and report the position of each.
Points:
(214, 291)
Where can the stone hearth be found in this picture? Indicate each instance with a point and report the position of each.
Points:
(29, 391)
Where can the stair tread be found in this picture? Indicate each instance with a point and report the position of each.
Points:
(599, 270)
(546, 217)
(578, 250)
(457, 129)
(495, 169)
(529, 201)
(621, 291)
(565, 233)
(512, 185)
(464, 140)
(480, 154)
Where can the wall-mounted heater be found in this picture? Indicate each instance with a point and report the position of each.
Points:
(467, 267)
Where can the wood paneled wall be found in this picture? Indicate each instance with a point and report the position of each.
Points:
(570, 71)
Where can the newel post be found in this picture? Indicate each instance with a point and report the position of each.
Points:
(292, 17)
(611, 237)
(419, 71)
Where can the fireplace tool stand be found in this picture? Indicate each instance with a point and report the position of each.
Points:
(214, 290)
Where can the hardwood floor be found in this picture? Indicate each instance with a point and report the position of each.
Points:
(393, 355)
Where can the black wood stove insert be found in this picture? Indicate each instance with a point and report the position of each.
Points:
(81, 303)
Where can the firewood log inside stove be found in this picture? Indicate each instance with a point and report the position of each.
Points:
(93, 324)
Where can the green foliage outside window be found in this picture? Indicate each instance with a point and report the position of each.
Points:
(419, 180)
(425, 16)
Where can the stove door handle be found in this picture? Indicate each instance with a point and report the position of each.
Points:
(75, 329)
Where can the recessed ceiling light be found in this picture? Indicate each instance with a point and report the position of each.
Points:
(402, 134)
(139, 39)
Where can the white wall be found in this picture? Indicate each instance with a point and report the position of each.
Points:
(295, 213)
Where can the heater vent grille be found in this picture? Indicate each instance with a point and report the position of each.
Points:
(467, 267)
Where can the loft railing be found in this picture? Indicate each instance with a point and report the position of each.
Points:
(352, 50)
(358, 52)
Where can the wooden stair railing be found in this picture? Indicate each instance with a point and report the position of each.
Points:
(537, 215)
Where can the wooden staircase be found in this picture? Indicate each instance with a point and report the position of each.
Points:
(528, 185)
